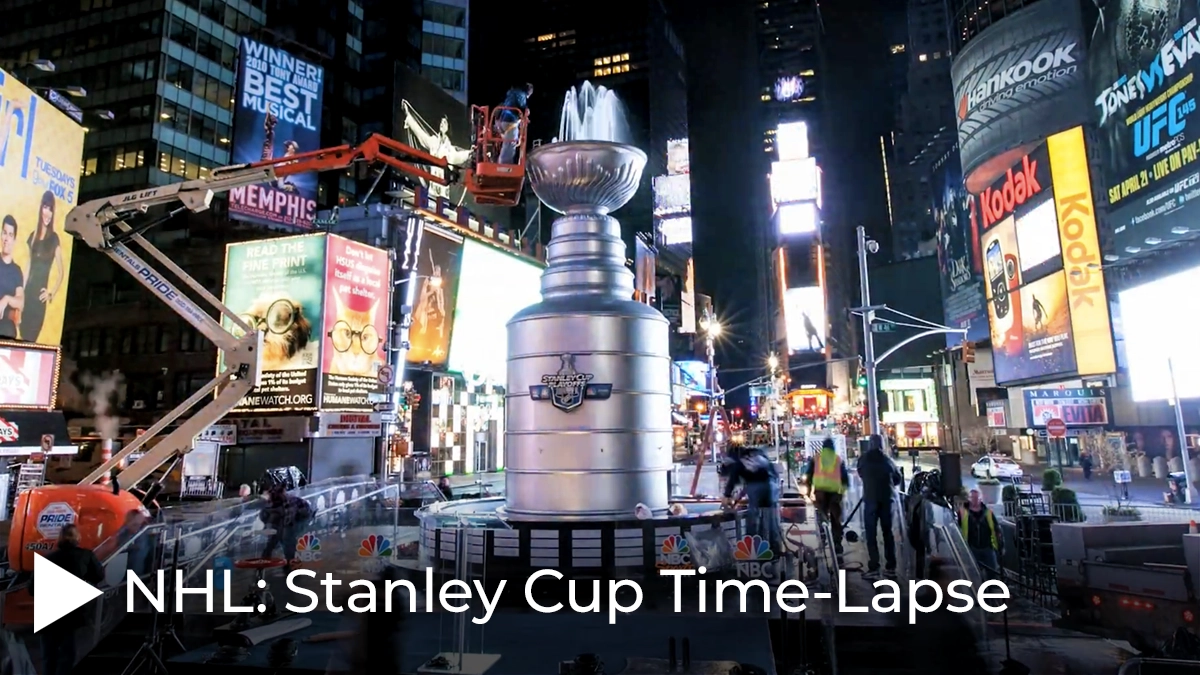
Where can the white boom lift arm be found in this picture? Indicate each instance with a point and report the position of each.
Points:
(101, 225)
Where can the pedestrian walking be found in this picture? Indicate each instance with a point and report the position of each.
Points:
(60, 639)
(880, 477)
(828, 479)
(979, 530)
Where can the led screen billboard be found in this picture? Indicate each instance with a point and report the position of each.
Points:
(278, 287)
(804, 314)
(694, 376)
(28, 376)
(958, 252)
(40, 162)
(676, 230)
(358, 285)
(1142, 64)
(672, 194)
(436, 122)
(277, 114)
(796, 180)
(1046, 302)
(1016, 83)
(797, 218)
(790, 88)
(438, 271)
(678, 160)
(479, 341)
(1160, 320)
(645, 264)
(791, 141)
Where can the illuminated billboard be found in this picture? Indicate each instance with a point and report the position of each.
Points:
(1159, 319)
(1143, 93)
(479, 341)
(958, 252)
(40, 164)
(676, 230)
(645, 262)
(804, 314)
(1021, 79)
(438, 271)
(358, 284)
(678, 161)
(797, 218)
(791, 141)
(278, 286)
(790, 88)
(672, 194)
(28, 376)
(687, 299)
(796, 180)
(277, 114)
(1046, 302)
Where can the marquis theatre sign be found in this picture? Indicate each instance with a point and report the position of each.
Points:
(1019, 81)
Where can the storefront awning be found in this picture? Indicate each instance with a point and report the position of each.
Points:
(21, 433)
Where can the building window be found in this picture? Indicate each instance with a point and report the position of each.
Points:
(897, 49)
(923, 57)
(438, 45)
(611, 70)
(453, 16)
(444, 77)
(609, 60)
(128, 158)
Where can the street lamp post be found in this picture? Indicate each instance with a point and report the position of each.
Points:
(868, 315)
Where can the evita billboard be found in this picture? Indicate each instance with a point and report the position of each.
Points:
(1046, 302)
(1143, 91)
(323, 305)
(1018, 82)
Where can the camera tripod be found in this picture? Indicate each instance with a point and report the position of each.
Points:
(148, 660)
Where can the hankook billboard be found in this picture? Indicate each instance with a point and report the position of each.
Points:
(1047, 306)
(1142, 64)
(1017, 83)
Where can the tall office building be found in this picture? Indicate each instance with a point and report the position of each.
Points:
(925, 129)
(444, 55)
(791, 67)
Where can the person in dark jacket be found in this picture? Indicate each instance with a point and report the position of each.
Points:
(943, 642)
(752, 469)
(508, 122)
(287, 515)
(879, 476)
(982, 535)
(60, 639)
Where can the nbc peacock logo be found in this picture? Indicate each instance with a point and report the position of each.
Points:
(308, 548)
(674, 554)
(375, 546)
(754, 558)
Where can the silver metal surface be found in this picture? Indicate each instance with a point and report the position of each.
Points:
(604, 458)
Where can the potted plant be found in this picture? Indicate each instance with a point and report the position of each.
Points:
(1064, 503)
(1051, 479)
(1009, 496)
(1121, 514)
(989, 490)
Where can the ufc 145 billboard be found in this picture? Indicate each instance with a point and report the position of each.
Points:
(1016, 83)
(1046, 303)
(1142, 64)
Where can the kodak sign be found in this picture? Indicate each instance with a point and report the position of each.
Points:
(1081, 253)
(1016, 187)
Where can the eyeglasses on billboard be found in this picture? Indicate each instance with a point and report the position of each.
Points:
(278, 319)
(343, 337)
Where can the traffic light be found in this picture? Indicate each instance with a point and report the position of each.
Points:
(862, 377)
(968, 352)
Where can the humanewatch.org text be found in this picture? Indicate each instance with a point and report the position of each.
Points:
(584, 596)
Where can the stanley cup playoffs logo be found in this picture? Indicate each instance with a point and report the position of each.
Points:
(568, 388)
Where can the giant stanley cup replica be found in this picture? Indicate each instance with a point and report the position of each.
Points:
(589, 402)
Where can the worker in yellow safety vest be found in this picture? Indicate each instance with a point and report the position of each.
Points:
(827, 480)
(979, 531)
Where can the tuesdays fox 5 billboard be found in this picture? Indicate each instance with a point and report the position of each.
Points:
(39, 184)
(1047, 307)
(277, 114)
(1019, 81)
(1142, 64)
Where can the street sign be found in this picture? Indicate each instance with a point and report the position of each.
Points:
(913, 430)
(376, 398)
(1056, 428)
(386, 406)
(386, 375)
(388, 418)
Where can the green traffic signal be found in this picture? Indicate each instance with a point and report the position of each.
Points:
(862, 380)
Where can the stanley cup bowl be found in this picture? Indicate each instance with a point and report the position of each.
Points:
(585, 176)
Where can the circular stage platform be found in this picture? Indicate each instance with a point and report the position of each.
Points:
(628, 548)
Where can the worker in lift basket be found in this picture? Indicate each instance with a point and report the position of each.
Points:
(828, 479)
(508, 122)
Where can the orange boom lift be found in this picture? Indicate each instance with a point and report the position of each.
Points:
(112, 224)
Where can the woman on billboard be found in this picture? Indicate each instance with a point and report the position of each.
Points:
(45, 260)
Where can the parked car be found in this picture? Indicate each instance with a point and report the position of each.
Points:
(996, 467)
